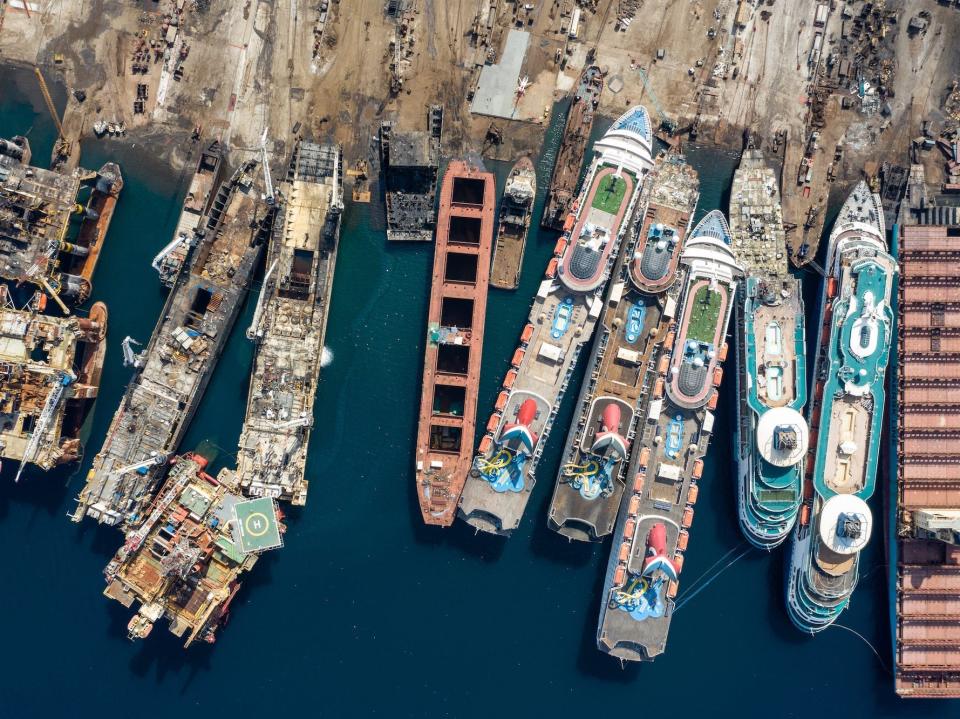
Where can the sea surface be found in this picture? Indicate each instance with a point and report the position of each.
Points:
(365, 612)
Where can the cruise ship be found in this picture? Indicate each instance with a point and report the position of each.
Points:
(567, 306)
(656, 513)
(638, 310)
(771, 435)
(846, 414)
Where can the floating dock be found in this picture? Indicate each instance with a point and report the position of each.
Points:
(621, 378)
(289, 326)
(772, 435)
(49, 377)
(451, 368)
(565, 311)
(182, 561)
(925, 501)
(573, 146)
(653, 528)
(516, 207)
(173, 371)
(200, 194)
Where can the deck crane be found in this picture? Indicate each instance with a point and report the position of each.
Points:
(267, 182)
(303, 421)
(60, 382)
(253, 331)
(665, 122)
(61, 149)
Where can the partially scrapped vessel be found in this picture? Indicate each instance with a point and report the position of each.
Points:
(203, 185)
(653, 528)
(289, 326)
(573, 146)
(515, 210)
(40, 243)
(846, 414)
(173, 371)
(771, 436)
(451, 367)
(49, 378)
(183, 560)
(567, 306)
(637, 312)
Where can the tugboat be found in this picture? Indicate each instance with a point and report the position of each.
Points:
(515, 210)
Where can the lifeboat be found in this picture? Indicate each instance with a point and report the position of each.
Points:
(687, 518)
(658, 388)
(693, 494)
(634, 505)
(683, 540)
(664, 364)
(486, 444)
(517, 357)
(527, 334)
(493, 422)
(501, 401)
(510, 379)
(668, 343)
(722, 354)
(568, 224)
(629, 529)
(712, 402)
(831, 287)
(804, 515)
(678, 562)
(559, 247)
(644, 456)
(619, 576)
(672, 589)
(717, 376)
(624, 552)
(697, 470)
(638, 483)
(552, 268)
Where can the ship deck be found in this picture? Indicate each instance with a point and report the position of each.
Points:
(458, 301)
(926, 580)
(623, 363)
(272, 454)
(516, 207)
(178, 361)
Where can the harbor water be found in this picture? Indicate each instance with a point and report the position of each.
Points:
(365, 611)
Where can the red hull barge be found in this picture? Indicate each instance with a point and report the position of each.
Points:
(451, 371)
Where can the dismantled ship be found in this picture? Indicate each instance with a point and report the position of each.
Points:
(451, 367)
(289, 326)
(39, 243)
(172, 373)
(846, 414)
(170, 259)
(49, 377)
(183, 560)
(639, 307)
(653, 528)
(515, 209)
(565, 311)
(576, 135)
(771, 436)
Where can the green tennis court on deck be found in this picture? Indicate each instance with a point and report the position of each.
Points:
(704, 315)
(610, 194)
(257, 521)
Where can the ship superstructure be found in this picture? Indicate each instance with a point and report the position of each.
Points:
(178, 362)
(203, 186)
(39, 241)
(567, 307)
(772, 435)
(672, 438)
(49, 377)
(456, 315)
(183, 559)
(515, 209)
(576, 135)
(640, 303)
(845, 416)
(289, 326)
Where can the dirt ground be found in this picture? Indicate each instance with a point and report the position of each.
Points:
(233, 68)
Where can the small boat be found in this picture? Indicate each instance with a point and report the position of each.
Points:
(515, 210)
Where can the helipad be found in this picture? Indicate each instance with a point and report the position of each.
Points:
(257, 523)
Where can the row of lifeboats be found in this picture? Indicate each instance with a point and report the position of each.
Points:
(486, 444)
(557, 254)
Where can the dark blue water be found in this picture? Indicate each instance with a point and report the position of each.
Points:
(365, 611)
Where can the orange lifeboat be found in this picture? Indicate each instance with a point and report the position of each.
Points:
(831, 287)
(804, 515)
(722, 355)
(552, 268)
(644, 456)
(712, 403)
(517, 357)
(658, 388)
(668, 343)
(624, 552)
(510, 379)
(527, 333)
(693, 494)
(678, 562)
(664, 364)
(687, 518)
(638, 483)
(717, 376)
(683, 540)
(672, 589)
(629, 530)
(493, 422)
(634, 505)
(501, 401)
(568, 223)
(558, 248)
(619, 576)
(697, 471)
(486, 444)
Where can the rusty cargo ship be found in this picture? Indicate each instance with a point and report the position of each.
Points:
(451, 372)
(576, 135)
